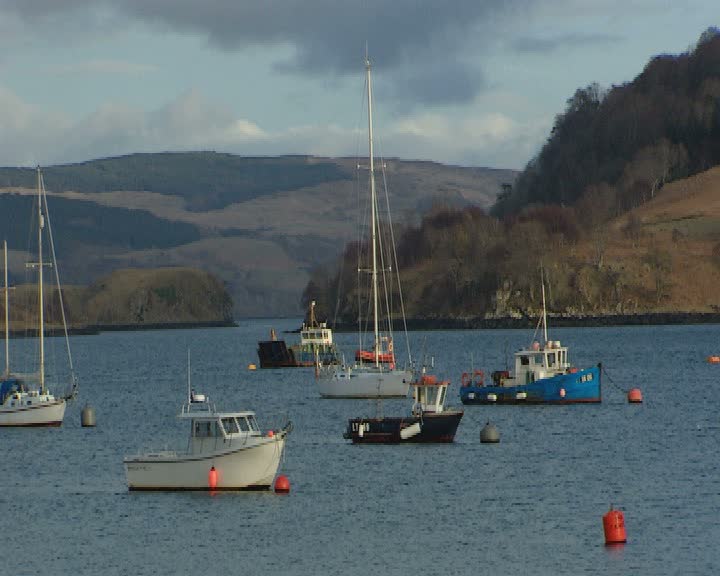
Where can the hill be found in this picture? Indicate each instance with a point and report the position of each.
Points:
(129, 297)
(620, 210)
(259, 224)
(621, 145)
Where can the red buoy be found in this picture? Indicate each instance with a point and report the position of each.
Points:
(212, 478)
(635, 396)
(270, 433)
(614, 527)
(282, 484)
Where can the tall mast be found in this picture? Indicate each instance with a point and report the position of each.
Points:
(373, 209)
(41, 225)
(7, 314)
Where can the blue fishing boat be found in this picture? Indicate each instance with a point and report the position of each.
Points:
(543, 375)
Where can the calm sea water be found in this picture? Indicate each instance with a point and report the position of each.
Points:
(532, 504)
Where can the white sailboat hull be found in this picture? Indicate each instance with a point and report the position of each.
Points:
(39, 413)
(239, 466)
(364, 382)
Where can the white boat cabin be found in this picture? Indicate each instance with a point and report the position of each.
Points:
(537, 363)
(318, 335)
(429, 394)
(315, 333)
(210, 429)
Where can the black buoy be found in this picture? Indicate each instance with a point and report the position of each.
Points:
(87, 417)
(489, 434)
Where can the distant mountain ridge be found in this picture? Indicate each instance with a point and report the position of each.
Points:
(259, 224)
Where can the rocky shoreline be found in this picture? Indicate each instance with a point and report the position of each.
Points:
(556, 321)
(95, 329)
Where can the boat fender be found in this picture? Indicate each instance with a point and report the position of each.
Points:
(465, 379)
(479, 377)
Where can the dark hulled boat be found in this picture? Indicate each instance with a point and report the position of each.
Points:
(429, 420)
(316, 345)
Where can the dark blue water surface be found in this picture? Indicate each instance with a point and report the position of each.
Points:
(532, 504)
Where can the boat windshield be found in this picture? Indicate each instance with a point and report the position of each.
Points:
(205, 429)
(230, 425)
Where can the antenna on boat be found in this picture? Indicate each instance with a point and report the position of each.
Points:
(544, 316)
(188, 377)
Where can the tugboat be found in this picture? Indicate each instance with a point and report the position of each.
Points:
(429, 420)
(543, 375)
(316, 343)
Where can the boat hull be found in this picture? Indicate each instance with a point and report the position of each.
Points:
(433, 428)
(246, 467)
(40, 414)
(276, 354)
(583, 386)
(363, 382)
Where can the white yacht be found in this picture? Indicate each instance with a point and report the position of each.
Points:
(375, 373)
(25, 399)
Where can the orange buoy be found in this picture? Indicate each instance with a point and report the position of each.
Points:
(282, 484)
(635, 396)
(614, 527)
(713, 359)
(270, 433)
(212, 478)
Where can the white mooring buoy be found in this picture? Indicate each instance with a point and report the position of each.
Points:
(87, 417)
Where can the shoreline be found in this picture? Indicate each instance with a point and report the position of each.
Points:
(556, 321)
(95, 329)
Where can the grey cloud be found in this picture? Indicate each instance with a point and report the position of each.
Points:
(327, 37)
(536, 44)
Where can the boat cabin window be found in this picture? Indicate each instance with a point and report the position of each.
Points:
(551, 359)
(230, 425)
(427, 395)
(443, 391)
(253, 424)
(243, 424)
(204, 429)
(524, 360)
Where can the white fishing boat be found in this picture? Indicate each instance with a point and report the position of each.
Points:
(25, 399)
(226, 451)
(375, 373)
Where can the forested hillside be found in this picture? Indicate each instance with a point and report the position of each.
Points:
(592, 210)
(615, 148)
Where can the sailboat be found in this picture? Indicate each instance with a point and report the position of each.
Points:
(25, 399)
(543, 375)
(374, 373)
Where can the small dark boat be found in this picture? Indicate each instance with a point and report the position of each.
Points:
(429, 420)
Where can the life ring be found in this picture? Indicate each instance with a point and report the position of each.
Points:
(465, 379)
(479, 377)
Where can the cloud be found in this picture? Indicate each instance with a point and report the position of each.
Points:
(430, 50)
(114, 67)
(543, 45)
(193, 122)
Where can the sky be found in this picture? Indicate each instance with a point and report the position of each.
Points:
(461, 82)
